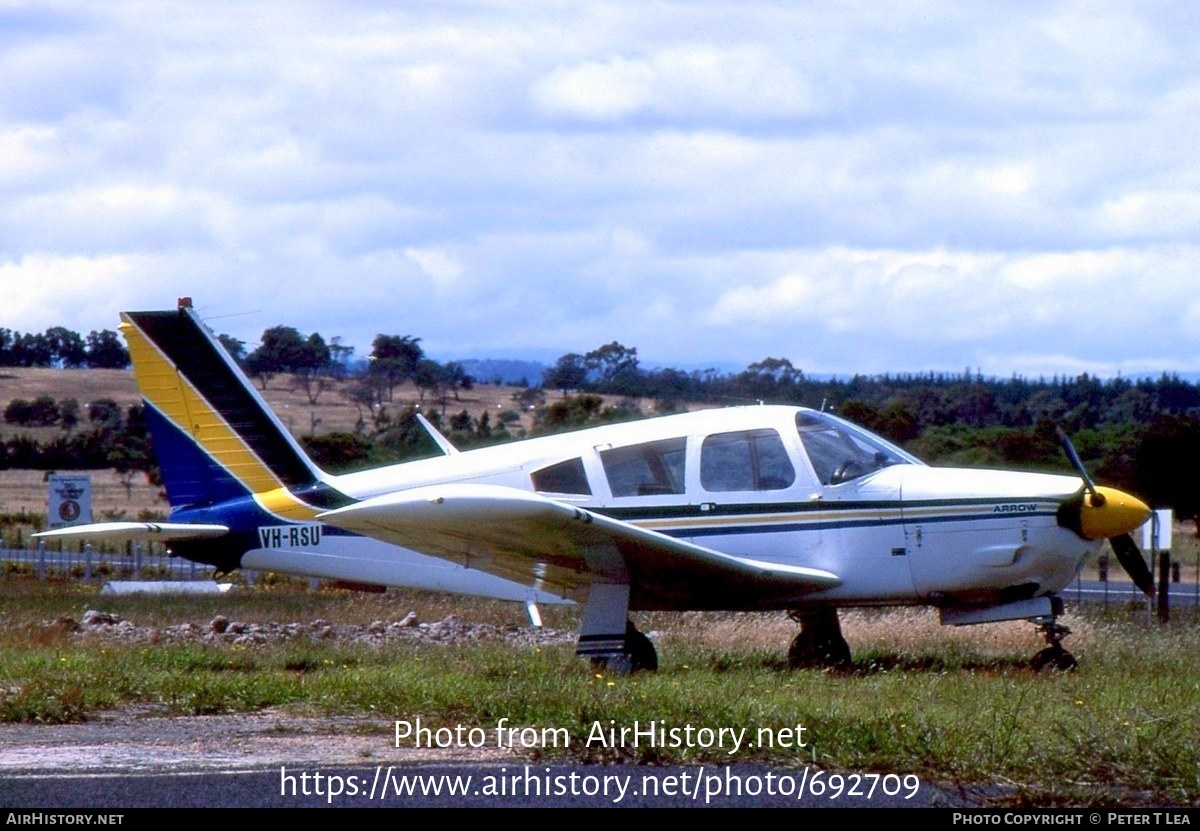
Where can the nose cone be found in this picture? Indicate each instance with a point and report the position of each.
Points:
(1112, 514)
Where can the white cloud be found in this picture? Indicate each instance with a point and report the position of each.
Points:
(440, 265)
(600, 91)
(870, 188)
(696, 81)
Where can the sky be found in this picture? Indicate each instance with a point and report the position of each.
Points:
(858, 187)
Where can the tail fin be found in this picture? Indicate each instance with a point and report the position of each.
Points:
(215, 438)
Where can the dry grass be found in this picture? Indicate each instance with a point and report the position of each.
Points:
(332, 411)
(899, 631)
(27, 490)
(83, 385)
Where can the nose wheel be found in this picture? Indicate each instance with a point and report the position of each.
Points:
(1053, 656)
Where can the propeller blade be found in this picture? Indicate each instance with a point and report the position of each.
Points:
(1130, 558)
(1077, 463)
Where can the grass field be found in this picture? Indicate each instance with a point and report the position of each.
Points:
(956, 706)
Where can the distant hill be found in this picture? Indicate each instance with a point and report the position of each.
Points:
(513, 373)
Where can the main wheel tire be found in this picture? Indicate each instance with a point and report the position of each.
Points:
(1055, 658)
(808, 651)
(640, 649)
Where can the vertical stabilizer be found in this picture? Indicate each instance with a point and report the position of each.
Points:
(214, 436)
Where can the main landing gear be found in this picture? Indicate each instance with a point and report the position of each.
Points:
(1053, 656)
(820, 642)
(608, 637)
(637, 654)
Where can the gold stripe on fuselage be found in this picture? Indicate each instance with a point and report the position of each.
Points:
(916, 515)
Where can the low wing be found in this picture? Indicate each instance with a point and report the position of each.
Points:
(563, 549)
(121, 531)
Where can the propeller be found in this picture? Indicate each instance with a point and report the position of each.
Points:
(1131, 559)
(1111, 514)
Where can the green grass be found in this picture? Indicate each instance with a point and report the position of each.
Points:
(957, 706)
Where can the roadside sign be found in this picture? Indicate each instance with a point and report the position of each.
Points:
(70, 500)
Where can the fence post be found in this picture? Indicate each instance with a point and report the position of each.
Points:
(41, 560)
(87, 563)
(1164, 580)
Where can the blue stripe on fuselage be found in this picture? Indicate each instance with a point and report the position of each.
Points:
(713, 529)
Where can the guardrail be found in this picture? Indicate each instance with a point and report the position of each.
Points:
(140, 562)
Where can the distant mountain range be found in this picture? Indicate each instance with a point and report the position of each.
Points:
(513, 373)
(516, 372)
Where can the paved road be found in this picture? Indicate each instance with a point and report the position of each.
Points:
(268, 759)
(476, 785)
(1181, 595)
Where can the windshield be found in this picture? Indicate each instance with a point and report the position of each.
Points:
(840, 451)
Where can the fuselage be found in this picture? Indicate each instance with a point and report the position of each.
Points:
(770, 483)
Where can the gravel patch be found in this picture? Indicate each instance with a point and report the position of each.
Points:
(222, 630)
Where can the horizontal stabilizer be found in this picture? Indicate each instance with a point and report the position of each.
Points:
(121, 531)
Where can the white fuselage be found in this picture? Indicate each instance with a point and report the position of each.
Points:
(766, 483)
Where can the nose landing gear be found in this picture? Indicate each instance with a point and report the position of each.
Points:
(1053, 656)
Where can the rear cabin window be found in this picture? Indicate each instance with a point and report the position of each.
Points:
(564, 477)
(645, 469)
(748, 460)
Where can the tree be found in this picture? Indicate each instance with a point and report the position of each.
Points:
(311, 366)
(363, 396)
(104, 412)
(19, 411)
(1166, 464)
(530, 398)
(394, 359)
(339, 356)
(43, 411)
(456, 378)
(105, 350)
(236, 348)
(615, 367)
(69, 413)
(278, 351)
(577, 411)
(771, 379)
(336, 452)
(568, 373)
(428, 378)
(284, 349)
(32, 350)
(66, 347)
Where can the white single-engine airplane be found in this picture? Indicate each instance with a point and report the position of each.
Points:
(747, 508)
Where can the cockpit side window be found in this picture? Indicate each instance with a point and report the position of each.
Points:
(839, 451)
(648, 469)
(564, 477)
(747, 460)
